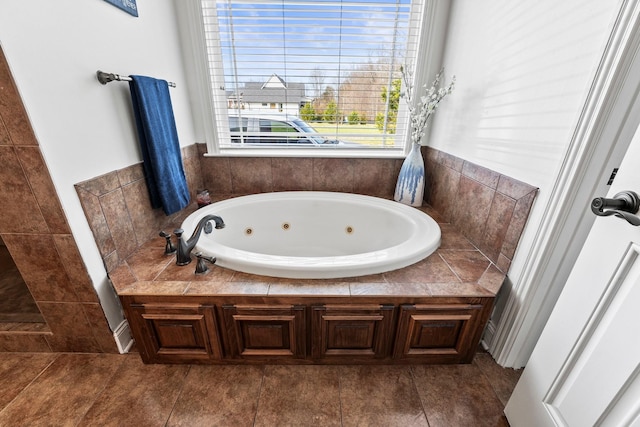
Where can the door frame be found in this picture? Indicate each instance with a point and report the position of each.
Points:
(604, 130)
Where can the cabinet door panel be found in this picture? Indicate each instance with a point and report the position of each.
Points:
(265, 331)
(439, 333)
(175, 333)
(360, 331)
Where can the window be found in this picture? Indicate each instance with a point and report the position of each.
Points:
(332, 65)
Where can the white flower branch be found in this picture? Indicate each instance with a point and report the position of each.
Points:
(420, 112)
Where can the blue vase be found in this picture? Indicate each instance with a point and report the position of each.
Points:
(410, 185)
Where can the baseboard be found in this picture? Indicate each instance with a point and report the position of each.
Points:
(487, 337)
(123, 337)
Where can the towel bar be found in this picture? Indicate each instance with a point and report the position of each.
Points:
(105, 78)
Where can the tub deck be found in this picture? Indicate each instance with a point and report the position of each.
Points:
(433, 311)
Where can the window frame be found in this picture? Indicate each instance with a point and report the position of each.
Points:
(190, 25)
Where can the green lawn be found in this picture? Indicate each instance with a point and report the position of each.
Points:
(363, 134)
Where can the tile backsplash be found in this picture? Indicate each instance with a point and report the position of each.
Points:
(118, 208)
(490, 209)
(243, 175)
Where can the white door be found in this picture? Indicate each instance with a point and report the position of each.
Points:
(585, 369)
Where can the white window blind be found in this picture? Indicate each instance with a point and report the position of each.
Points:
(276, 66)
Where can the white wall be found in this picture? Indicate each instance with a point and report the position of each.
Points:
(54, 49)
(523, 69)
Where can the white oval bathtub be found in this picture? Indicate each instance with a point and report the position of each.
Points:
(315, 235)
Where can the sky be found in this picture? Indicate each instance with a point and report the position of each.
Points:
(294, 38)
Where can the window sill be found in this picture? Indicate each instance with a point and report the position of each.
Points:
(357, 153)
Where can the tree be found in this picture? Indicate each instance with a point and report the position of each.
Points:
(354, 118)
(307, 112)
(331, 112)
(356, 86)
(391, 122)
(320, 104)
(393, 100)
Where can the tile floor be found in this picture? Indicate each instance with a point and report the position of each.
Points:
(76, 389)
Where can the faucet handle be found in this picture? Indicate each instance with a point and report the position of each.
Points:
(178, 232)
(201, 266)
(169, 248)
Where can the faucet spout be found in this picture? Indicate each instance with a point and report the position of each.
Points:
(183, 256)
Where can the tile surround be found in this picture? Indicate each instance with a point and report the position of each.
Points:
(477, 209)
(461, 270)
(37, 235)
(488, 208)
(40, 265)
(38, 176)
(17, 306)
(119, 212)
(235, 176)
(20, 207)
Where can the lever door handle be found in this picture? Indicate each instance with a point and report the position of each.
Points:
(623, 205)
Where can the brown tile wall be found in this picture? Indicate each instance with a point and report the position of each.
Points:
(246, 175)
(119, 212)
(36, 233)
(488, 208)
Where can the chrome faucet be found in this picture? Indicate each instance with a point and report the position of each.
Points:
(183, 257)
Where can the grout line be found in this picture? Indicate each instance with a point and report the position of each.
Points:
(415, 387)
(104, 387)
(488, 378)
(173, 407)
(493, 389)
(38, 375)
(340, 375)
(449, 267)
(255, 416)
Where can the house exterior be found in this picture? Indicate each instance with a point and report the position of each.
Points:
(274, 95)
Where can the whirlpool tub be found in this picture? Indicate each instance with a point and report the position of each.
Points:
(315, 235)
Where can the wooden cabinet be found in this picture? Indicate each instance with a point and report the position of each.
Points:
(352, 331)
(439, 333)
(175, 332)
(182, 329)
(265, 331)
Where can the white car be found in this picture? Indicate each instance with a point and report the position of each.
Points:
(274, 129)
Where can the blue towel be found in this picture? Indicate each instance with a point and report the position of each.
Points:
(159, 144)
